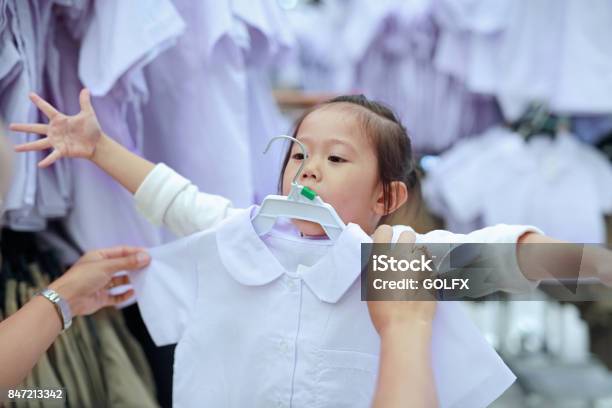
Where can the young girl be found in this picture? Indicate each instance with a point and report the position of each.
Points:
(360, 162)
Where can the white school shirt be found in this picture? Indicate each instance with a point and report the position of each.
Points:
(278, 321)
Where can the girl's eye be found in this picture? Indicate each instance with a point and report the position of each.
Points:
(336, 159)
(298, 156)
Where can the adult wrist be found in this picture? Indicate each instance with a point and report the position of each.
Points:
(418, 325)
(62, 307)
(66, 292)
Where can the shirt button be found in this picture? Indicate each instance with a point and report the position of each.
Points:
(283, 346)
(291, 284)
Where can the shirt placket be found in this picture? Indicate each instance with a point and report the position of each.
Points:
(286, 348)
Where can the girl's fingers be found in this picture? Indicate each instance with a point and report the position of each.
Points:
(43, 105)
(41, 144)
(38, 128)
(85, 100)
(50, 159)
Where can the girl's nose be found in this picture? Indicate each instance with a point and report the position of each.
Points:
(310, 172)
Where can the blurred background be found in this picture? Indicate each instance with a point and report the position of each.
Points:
(508, 104)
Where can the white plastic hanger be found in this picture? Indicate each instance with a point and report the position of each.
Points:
(302, 203)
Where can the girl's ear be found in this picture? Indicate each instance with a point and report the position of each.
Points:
(398, 195)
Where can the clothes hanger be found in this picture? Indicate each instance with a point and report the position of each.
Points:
(302, 203)
(537, 121)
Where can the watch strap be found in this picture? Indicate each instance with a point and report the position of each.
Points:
(62, 307)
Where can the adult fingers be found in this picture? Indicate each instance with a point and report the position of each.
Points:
(43, 105)
(41, 144)
(120, 251)
(407, 237)
(54, 156)
(130, 262)
(109, 253)
(38, 128)
(119, 281)
(85, 100)
(114, 300)
(383, 235)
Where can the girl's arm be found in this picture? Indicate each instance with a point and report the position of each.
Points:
(520, 256)
(161, 195)
(127, 168)
(541, 257)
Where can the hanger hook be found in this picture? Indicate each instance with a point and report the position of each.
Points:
(293, 139)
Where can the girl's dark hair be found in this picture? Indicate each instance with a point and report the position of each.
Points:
(389, 138)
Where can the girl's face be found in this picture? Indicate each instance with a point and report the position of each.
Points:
(342, 168)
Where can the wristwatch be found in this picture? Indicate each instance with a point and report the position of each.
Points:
(62, 307)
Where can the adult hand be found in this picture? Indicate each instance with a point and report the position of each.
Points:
(86, 285)
(405, 375)
(69, 136)
(393, 314)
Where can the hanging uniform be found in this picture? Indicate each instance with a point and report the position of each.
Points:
(293, 329)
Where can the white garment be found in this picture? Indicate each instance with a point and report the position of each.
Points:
(585, 64)
(279, 321)
(121, 38)
(557, 185)
(396, 66)
(321, 65)
(566, 62)
(217, 105)
(469, 38)
(502, 48)
(19, 65)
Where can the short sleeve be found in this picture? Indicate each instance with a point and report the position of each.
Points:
(468, 371)
(166, 291)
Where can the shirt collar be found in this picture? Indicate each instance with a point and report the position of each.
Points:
(248, 260)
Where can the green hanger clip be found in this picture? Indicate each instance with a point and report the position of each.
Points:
(308, 193)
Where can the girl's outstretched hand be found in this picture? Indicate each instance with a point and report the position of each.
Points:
(68, 136)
